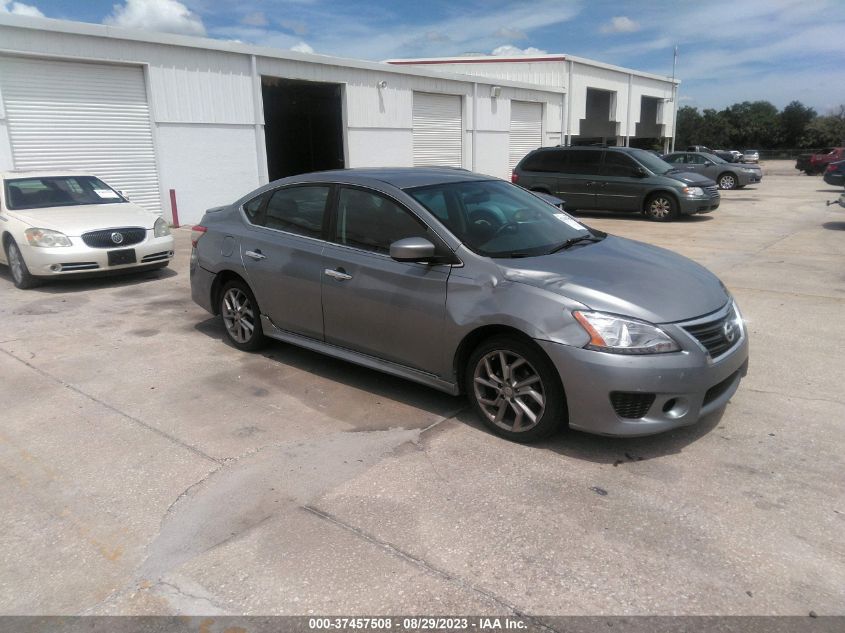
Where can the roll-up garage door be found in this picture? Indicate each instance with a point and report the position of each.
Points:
(526, 130)
(437, 130)
(82, 117)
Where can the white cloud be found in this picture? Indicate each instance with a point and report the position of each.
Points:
(511, 34)
(297, 26)
(256, 18)
(509, 50)
(19, 8)
(169, 16)
(621, 24)
(302, 47)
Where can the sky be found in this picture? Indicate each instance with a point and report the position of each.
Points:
(728, 50)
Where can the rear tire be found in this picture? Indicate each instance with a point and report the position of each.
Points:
(515, 389)
(17, 266)
(241, 316)
(661, 207)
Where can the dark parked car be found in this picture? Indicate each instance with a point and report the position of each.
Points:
(835, 174)
(469, 284)
(616, 179)
(727, 175)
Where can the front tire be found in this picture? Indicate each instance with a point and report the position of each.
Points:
(241, 316)
(17, 266)
(727, 181)
(515, 390)
(661, 207)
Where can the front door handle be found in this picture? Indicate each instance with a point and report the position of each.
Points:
(256, 255)
(339, 274)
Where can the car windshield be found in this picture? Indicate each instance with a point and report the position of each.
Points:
(652, 162)
(58, 191)
(497, 219)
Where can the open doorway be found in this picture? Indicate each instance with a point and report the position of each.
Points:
(303, 126)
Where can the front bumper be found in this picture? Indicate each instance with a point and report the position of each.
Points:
(705, 204)
(687, 385)
(80, 258)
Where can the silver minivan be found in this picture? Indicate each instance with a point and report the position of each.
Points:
(472, 285)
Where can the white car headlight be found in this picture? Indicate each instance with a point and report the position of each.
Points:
(693, 192)
(623, 335)
(45, 238)
(748, 170)
(161, 228)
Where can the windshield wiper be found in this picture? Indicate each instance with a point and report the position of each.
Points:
(573, 241)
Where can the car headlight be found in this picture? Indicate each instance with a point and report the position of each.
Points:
(748, 170)
(45, 238)
(623, 335)
(161, 228)
(693, 192)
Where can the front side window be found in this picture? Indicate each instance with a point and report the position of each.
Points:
(675, 159)
(297, 210)
(58, 191)
(372, 222)
(498, 219)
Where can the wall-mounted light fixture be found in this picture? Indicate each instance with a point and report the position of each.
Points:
(495, 91)
(382, 84)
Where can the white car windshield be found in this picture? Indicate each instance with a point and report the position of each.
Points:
(57, 191)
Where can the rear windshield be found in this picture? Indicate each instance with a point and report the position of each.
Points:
(58, 191)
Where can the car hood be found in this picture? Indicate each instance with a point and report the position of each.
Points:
(624, 277)
(691, 178)
(76, 220)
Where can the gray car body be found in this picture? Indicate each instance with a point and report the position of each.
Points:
(420, 321)
(714, 167)
(617, 193)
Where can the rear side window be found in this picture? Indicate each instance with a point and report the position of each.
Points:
(587, 162)
(675, 159)
(618, 164)
(253, 207)
(548, 161)
(372, 222)
(297, 210)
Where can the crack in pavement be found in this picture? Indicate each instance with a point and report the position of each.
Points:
(170, 438)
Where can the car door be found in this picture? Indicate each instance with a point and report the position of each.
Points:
(282, 252)
(700, 164)
(371, 303)
(621, 186)
(579, 178)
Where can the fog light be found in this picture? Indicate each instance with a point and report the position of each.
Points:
(669, 405)
(56, 267)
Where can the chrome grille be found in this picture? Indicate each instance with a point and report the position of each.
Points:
(126, 236)
(712, 191)
(719, 334)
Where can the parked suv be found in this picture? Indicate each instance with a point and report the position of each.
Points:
(616, 179)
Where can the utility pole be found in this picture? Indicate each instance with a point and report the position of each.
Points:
(674, 99)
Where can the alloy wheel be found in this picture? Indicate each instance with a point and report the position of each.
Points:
(238, 315)
(727, 182)
(660, 207)
(509, 391)
(15, 263)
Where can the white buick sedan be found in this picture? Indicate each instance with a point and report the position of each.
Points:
(62, 224)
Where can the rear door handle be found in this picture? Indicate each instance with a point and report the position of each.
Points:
(256, 254)
(340, 274)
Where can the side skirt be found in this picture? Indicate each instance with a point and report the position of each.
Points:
(371, 362)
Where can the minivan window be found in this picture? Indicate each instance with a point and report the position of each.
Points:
(497, 219)
(297, 210)
(372, 222)
(546, 161)
(587, 161)
(618, 164)
(650, 161)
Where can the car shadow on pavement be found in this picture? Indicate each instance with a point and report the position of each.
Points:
(634, 216)
(616, 450)
(342, 372)
(82, 284)
(834, 226)
(839, 190)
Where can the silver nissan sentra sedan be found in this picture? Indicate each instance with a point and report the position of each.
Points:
(470, 284)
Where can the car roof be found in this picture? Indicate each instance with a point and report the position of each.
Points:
(399, 177)
(8, 175)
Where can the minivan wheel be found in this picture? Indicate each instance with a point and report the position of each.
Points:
(727, 181)
(241, 316)
(17, 266)
(661, 207)
(515, 389)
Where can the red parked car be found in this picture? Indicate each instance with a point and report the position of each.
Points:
(817, 163)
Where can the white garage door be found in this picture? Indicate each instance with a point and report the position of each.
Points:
(526, 130)
(87, 117)
(437, 130)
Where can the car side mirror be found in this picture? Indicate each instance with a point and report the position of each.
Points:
(412, 249)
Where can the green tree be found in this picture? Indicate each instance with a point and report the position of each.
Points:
(794, 119)
(687, 126)
(825, 131)
(753, 124)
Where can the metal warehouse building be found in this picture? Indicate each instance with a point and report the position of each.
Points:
(604, 103)
(211, 120)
